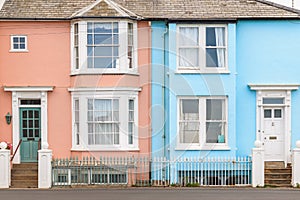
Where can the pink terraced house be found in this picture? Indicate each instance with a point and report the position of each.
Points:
(75, 79)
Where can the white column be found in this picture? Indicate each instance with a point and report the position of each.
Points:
(4, 168)
(258, 165)
(296, 165)
(45, 158)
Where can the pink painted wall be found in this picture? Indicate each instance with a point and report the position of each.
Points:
(47, 63)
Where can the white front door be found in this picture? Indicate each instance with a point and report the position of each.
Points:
(273, 133)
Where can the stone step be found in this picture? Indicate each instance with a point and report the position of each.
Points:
(24, 171)
(24, 183)
(24, 177)
(270, 171)
(25, 166)
(277, 181)
(278, 185)
(278, 176)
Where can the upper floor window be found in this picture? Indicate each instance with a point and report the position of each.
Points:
(104, 47)
(202, 48)
(18, 43)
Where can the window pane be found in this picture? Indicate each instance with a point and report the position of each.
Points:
(16, 39)
(102, 28)
(273, 100)
(115, 39)
(22, 39)
(267, 113)
(190, 109)
(103, 51)
(214, 109)
(215, 36)
(277, 113)
(188, 36)
(189, 132)
(189, 57)
(90, 39)
(103, 63)
(213, 131)
(16, 46)
(22, 46)
(215, 57)
(103, 39)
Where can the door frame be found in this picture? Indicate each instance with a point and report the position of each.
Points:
(19, 93)
(275, 91)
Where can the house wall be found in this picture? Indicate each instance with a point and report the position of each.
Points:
(47, 63)
(173, 84)
(267, 53)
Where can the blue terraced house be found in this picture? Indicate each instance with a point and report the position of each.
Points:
(224, 75)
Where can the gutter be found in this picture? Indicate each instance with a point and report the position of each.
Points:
(164, 89)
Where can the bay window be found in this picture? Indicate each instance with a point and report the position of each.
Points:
(104, 47)
(105, 121)
(202, 48)
(202, 122)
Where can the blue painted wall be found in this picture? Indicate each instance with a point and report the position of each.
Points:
(166, 89)
(267, 53)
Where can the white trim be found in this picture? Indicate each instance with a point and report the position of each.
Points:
(275, 90)
(117, 93)
(202, 145)
(105, 89)
(117, 7)
(12, 49)
(28, 93)
(122, 67)
(273, 87)
(28, 89)
(202, 68)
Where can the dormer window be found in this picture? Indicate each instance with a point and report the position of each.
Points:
(104, 47)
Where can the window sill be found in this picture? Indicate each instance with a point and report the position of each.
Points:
(202, 71)
(18, 51)
(214, 147)
(106, 72)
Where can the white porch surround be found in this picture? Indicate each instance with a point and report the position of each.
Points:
(275, 91)
(4, 168)
(34, 92)
(258, 165)
(296, 165)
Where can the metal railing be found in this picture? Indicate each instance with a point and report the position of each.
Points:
(102, 171)
(157, 172)
(19, 144)
(202, 171)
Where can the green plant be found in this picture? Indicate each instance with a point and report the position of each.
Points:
(192, 185)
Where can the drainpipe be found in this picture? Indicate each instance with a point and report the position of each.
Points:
(164, 89)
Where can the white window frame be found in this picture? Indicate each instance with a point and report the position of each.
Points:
(122, 66)
(12, 49)
(202, 68)
(202, 145)
(124, 95)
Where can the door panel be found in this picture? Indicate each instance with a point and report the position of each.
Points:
(30, 132)
(273, 134)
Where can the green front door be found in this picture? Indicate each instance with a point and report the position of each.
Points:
(30, 133)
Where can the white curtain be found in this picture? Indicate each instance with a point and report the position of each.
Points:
(220, 42)
(189, 37)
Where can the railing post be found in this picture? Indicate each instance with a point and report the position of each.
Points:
(296, 165)
(4, 167)
(45, 168)
(258, 165)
